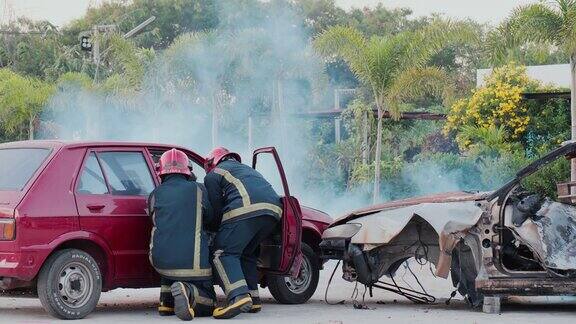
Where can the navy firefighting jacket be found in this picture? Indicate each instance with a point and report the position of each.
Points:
(179, 249)
(237, 191)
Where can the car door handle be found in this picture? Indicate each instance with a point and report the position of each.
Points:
(95, 208)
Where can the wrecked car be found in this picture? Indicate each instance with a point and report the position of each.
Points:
(509, 241)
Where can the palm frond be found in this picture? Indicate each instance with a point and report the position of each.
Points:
(418, 82)
(568, 31)
(564, 6)
(498, 43)
(422, 45)
(339, 41)
(535, 23)
(350, 45)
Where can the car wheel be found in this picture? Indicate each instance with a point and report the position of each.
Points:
(69, 284)
(288, 290)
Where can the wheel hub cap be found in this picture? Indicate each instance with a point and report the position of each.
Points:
(301, 283)
(75, 285)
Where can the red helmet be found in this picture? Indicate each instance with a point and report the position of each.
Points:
(216, 155)
(174, 161)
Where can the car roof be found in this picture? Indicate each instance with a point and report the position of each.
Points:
(57, 144)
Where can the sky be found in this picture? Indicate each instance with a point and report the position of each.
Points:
(59, 12)
(491, 11)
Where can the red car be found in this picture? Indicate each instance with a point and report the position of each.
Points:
(73, 223)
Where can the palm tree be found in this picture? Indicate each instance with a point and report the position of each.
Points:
(393, 67)
(552, 22)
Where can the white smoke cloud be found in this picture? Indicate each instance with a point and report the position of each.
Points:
(276, 75)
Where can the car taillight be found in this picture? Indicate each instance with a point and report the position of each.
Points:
(7, 229)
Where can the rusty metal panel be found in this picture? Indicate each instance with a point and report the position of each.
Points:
(382, 227)
(435, 198)
(564, 189)
(527, 287)
(556, 224)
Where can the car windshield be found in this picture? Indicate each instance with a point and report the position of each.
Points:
(18, 166)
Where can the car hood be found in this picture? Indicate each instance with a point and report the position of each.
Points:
(446, 197)
(450, 215)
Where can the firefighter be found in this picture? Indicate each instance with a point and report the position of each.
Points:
(179, 250)
(246, 211)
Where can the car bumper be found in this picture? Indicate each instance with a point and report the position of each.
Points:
(17, 269)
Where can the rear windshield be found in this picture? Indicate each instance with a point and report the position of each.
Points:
(18, 165)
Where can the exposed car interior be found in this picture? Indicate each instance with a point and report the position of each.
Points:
(528, 234)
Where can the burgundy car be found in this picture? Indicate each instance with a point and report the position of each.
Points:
(73, 223)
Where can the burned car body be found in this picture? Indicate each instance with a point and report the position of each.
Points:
(493, 244)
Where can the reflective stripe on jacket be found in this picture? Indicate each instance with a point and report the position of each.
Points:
(179, 244)
(237, 191)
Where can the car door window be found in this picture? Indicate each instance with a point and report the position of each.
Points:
(127, 173)
(92, 179)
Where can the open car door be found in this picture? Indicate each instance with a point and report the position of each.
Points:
(281, 254)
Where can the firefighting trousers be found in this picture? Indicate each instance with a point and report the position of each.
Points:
(200, 293)
(237, 249)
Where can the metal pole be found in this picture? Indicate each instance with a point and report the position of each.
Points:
(31, 127)
(250, 134)
(93, 114)
(337, 122)
(96, 51)
(138, 28)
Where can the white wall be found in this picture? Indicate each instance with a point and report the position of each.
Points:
(555, 74)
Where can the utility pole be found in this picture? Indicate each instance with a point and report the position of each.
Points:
(96, 53)
(97, 34)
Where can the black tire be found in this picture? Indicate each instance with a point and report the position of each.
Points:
(69, 284)
(287, 291)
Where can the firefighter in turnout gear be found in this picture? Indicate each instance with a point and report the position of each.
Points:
(179, 249)
(246, 211)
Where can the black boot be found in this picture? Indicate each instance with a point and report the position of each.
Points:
(239, 304)
(182, 302)
(166, 307)
(164, 310)
(256, 305)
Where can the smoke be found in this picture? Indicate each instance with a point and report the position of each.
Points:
(258, 69)
(206, 89)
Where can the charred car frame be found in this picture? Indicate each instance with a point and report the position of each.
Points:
(493, 244)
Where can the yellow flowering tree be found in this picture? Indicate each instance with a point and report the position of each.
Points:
(497, 105)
